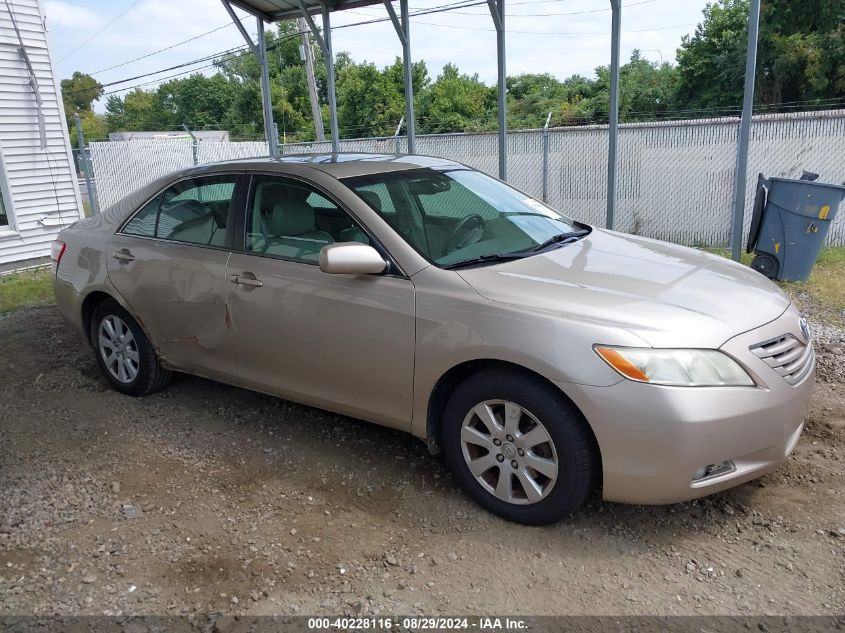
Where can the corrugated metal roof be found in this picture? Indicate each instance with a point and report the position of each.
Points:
(275, 10)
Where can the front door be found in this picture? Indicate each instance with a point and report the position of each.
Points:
(169, 264)
(340, 342)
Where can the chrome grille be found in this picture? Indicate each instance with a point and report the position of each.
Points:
(790, 358)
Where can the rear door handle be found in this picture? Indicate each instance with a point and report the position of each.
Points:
(123, 255)
(246, 279)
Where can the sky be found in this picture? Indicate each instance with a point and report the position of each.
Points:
(561, 37)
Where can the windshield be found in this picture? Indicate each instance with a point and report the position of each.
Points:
(457, 214)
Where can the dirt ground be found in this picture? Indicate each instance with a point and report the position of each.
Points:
(210, 498)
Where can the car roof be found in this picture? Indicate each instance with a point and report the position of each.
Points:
(340, 165)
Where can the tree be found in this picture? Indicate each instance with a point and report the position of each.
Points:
(79, 94)
(800, 58)
(646, 90)
(198, 101)
(802, 48)
(456, 102)
(371, 101)
(138, 110)
(94, 126)
(711, 63)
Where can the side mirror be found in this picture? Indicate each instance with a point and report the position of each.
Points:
(351, 258)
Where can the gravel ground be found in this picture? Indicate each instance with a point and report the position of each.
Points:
(210, 498)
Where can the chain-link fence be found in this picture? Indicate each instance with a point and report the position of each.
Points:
(675, 182)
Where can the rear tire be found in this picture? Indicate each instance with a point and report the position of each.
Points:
(124, 353)
(534, 425)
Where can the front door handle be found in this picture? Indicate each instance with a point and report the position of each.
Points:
(246, 279)
(123, 255)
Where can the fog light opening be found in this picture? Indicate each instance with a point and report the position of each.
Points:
(713, 470)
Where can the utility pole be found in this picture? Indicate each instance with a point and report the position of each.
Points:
(316, 113)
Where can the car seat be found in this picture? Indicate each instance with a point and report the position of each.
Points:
(291, 230)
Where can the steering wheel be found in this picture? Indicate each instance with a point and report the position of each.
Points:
(474, 224)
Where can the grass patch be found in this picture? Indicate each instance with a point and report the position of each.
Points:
(26, 288)
(826, 285)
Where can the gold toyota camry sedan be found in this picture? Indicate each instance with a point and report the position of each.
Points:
(546, 358)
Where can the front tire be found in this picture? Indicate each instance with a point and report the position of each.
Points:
(519, 447)
(124, 353)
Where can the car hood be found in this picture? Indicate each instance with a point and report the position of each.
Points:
(668, 295)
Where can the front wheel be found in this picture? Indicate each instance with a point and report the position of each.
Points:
(124, 354)
(519, 447)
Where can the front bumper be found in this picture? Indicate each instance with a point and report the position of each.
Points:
(653, 439)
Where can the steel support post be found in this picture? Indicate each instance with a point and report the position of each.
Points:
(327, 43)
(737, 221)
(260, 52)
(613, 110)
(497, 11)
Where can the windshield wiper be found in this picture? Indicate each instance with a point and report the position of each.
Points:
(482, 259)
(560, 238)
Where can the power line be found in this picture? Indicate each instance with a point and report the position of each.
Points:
(161, 50)
(101, 29)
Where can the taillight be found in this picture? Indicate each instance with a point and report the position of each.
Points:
(57, 249)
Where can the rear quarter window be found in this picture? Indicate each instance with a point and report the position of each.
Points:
(143, 222)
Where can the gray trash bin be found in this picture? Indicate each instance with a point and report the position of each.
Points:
(789, 225)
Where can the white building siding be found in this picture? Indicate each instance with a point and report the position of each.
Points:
(41, 183)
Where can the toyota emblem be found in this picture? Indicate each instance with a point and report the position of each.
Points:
(805, 328)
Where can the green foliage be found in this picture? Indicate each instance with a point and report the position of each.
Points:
(456, 102)
(95, 126)
(801, 54)
(801, 57)
(26, 288)
(79, 94)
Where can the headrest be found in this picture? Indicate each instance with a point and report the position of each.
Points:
(184, 209)
(371, 198)
(291, 218)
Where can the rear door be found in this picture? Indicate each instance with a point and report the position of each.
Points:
(169, 264)
(341, 342)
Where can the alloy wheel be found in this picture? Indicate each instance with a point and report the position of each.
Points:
(118, 349)
(509, 452)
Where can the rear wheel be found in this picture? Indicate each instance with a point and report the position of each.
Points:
(519, 447)
(123, 352)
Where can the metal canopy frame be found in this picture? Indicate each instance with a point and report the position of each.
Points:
(275, 10)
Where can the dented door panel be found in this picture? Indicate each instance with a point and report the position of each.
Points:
(178, 293)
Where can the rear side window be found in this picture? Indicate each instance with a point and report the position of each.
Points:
(144, 222)
(193, 211)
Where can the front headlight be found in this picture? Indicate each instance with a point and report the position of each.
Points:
(676, 367)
